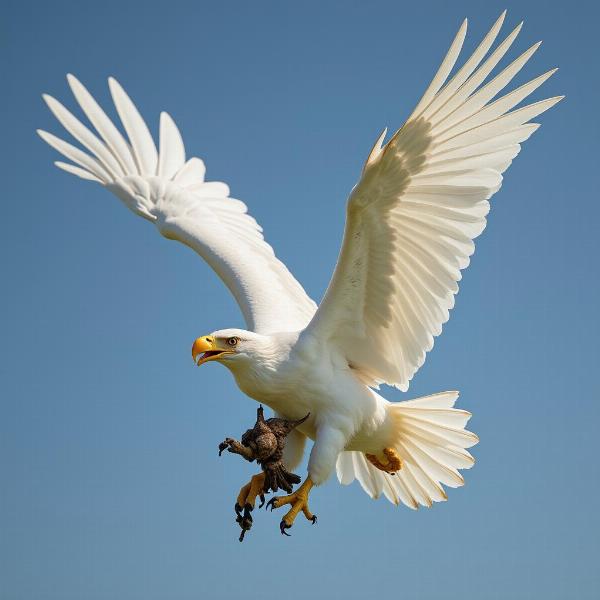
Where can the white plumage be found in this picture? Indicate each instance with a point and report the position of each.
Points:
(411, 220)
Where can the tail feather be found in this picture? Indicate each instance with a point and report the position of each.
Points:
(345, 468)
(367, 477)
(432, 442)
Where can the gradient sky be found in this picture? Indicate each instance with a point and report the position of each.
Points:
(111, 484)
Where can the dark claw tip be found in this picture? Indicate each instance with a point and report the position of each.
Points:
(262, 501)
(282, 527)
(271, 504)
(314, 519)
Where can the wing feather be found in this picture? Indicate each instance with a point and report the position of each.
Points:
(165, 189)
(172, 150)
(104, 126)
(76, 171)
(142, 144)
(76, 155)
(85, 137)
(411, 220)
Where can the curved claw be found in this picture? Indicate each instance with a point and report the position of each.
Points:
(283, 526)
(298, 502)
(262, 501)
(244, 521)
(244, 504)
(245, 526)
(271, 503)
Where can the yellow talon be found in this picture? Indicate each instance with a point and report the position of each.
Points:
(298, 501)
(246, 500)
(249, 492)
(394, 462)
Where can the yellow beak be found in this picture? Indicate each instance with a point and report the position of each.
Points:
(207, 348)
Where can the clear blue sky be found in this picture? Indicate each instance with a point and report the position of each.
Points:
(111, 484)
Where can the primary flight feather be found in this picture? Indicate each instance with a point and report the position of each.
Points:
(422, 199)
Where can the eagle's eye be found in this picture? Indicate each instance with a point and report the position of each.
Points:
(233, 341)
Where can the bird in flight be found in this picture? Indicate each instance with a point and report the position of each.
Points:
(421, 200)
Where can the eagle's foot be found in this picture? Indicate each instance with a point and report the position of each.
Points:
(393, 464)
(244, 520)
(298, 501)
(246, 501)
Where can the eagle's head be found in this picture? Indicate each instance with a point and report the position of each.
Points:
(232, 347)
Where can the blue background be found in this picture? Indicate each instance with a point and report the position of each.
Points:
(110, 482)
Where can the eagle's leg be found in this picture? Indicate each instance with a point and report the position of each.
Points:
(247, 499)
(298, 501)
(329, 442)
(249, 492)
(393, 461)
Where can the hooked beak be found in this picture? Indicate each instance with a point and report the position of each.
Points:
(207, 348)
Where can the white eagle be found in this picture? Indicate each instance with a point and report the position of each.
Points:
(421, 200)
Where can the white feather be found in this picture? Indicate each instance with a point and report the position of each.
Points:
(173, 194)
(421, 201)
(414, 214)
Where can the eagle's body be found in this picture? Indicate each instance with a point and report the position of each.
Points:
(291, 374)
(421, 200)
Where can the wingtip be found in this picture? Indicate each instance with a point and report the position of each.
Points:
(165, 117)
(461, 34)
(74, 83)
(533, 49)
(500, 19)
(113, 83)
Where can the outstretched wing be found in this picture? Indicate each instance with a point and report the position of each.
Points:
(412, 218)
(162, 187)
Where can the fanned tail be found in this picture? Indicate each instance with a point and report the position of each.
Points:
(431, 440)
